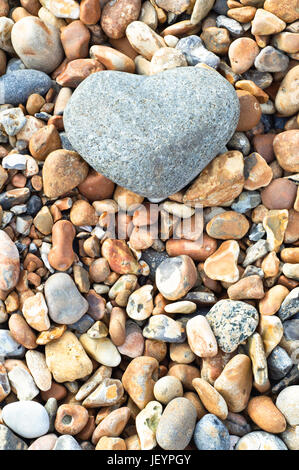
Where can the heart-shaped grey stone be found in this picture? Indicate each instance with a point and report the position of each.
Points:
(152, 134)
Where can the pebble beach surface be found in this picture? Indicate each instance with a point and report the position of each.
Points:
(149, 225)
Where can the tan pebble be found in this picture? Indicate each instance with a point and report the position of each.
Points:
(185, 373)
(66, 358)
(139, 379)
(61, 255)
(156, 349)
(32, 125)
(235, 382)
(111, 443)
(222, 265)
(175, 277)
(70, 419)
(275, 224)
(258, 357)
(63, 170)
(286, 10)
(290, 255)
(123, 46)
(127, 200)
(35, 311)
(181, 29)
(270, 265)
(141, 238)
(90, 11)
(200, 337)
(250, 287)
(167, 388)
(21, 331)
(211, 367)
(140, 303)
(216, 40)
(49, 335)
(251, 87)
(43, 221)
(220, 182)
(36, 363)
(257, 172)
(242, 14)
(196, 402)
(271, 330)
(148, 15)
(266, 415)
(287, 42)
(211, 399)
(287, 99)
(143, 39)
(44, 141)
(286, 146)
(117, 326)
(120, 257)
(77, 70)
(108, 392)
(242, 53)
(273, 299)
(265, 22)
(250, 111)
(183, 306)
(291, 234)
(101, 350)
(228, 225)
(112, 59)
(279, 194)
(113, 425)
(34, 103)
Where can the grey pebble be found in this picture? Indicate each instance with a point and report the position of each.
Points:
(233, 26)
(255, 252)
(153, 258)
(261, 79)
(220, 6)
(66, 442)
(246, 201)
(9, 441)
(7, 344)
(257, 232)
(15, 87)
(239, 141)
(291, 378)
(290, 305)
(211, 434)
(51, 407)
(164, 328)
(279, 363)
(180, 106)
(195, 52)
(82, 325)
(271, 60)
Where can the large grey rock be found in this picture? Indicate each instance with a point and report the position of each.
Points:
(15, 87)
(152, 135)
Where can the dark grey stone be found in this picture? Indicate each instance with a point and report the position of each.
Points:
(237, 424)
(271, 60)
(257, 232)
(255, 252)
(152, 134)
(82, 325)
(239, 141)
(153, 259)
(291, 330)
(15, 87)
(195, 52)
(232, 322)
(290, 305)
(279, 363)
(261, 79)
(14, 197)
(252, 270)
(9, 441)
(220, 6)
(291, 378)
(65, 141)
(211, 434)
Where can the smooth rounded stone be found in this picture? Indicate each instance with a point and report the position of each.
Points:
(222, 265)
(237, 424)
(176, 425)
(139, 379)
(143, 39)
(285, 147)
(256, 251)
(250, 287)
(7, 344)
(167, 388)
(140, 303)
(6, 25)
(210, 398)
(216, 40)
(246, 201)
(219, 183)
(288, 403)
(279, 363)
(240, 142)
(200, 337)
(66, 358)
(22, 381)
(265, 23)
(290, 305)
(271, 60)
(113, 424)
(65, 303)
(227, 226)
(286, 101)
(291, 437)
(291, 271)
(167, 58)
(148, 14)
(29, 419)
(233, 26)
(260, 440)
(105, 91)
(146, 424)
(9, 441)
(66, 442)
(175, 277)
(242, 53)
(235, 382)
(250, 111)
(63, 170)
(134, 342)
(36, 363)
(13, 120)
(286, 10)
(211, 434)
(232, 322)
(9, 262)
(164, 328)
(257, 172)
(266, 415)
(102, 350)
(183, 306)
(37, 44)
(46, 442)
(220, 6)
(195, 52)
(275, 223)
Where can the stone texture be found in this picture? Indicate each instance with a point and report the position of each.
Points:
(211, 434)
(9, 262)
(27, 418)
(196, 146)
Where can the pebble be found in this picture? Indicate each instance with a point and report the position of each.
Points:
(250, 111)
(66, 442)
(216, 40)
(40, 47)
(251, 287)
(170, 275)
(271, 59)
(257, 172)
(200, 337)
(46, 442)
(176, 426)
(286, 101)
(36, 363)
(101, 349)
(66, 358)
(139, 379)
(146, 424)
(16, 86)
(232, 322)
(65, 303)
(287, 402)
(9, 441)
(109, 392)
(222, 265)
(233, 26)
(187, 77)
(290, 305)
(260, 440)
(242, 53)
(210, 398)
(271, 331)
(167, 388)
(140, 303)
(255, 252)
(112, 425)
(71, 419)
(29, 419)
(275, 224)
(22, 382)
(117, 16)
(193, 49)
(164, 328)
(279, 363)
(280, 194)
(228, 225)
(9, 262)
(285, 146)
(266, 415)
(211, 434)
(265, 23)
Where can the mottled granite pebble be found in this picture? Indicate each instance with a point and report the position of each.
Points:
(15, 87)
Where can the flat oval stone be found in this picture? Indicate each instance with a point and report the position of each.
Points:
(260, 440)
(211, 434)
(132, 158)
(16, 86)
(26, 418)
(66, 304)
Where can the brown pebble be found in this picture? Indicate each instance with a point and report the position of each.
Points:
(75, 40)
(280, 194)
(263, 145)
(242, 53)
(90, 11)
(77, 70)
(250, 111)
(266, 415)
(96, 187)
(70, 419)
(61, 255)
(21, 331)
